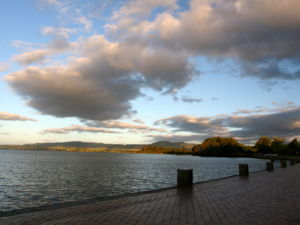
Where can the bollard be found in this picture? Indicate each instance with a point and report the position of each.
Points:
(184, 178)
(243, 169)
(270, 166)
(283, 163)
(292, 162)
(272, 160)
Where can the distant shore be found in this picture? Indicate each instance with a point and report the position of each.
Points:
(105, 148)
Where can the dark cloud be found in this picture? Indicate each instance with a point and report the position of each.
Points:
(200, 125)
(259, 35)
(283, 122)
(102, 77)
(100, 84)
(190, 99)
(187, 99)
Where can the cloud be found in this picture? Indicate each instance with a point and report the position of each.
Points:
(215, 99)
(260, 36)
(30, 56)
(60, 32)
(14, 117)
(77, 128)
(49, 2)
(190, 99)
(87, 24)
(136, 128)
(4, 66)
(150, 44)
(281, 107)
(282, 122)
(62, 6)
(143, 8)
(27, 58)
(24, 45)
(4, 133)
(100, 84)
(199, 125)
(178, 138)
(138, 121)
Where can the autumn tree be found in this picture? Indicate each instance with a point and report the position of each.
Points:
(278, 146)
(293, 147)
(263, 145)
(219, 146)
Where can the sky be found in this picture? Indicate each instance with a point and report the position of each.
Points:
(140, 71)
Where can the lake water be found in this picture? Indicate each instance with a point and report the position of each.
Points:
(35, 178)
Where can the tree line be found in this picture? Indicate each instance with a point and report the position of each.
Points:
(229, 147)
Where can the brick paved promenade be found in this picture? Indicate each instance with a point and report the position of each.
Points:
(263, 198)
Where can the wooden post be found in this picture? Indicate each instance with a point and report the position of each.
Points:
(270, 166)
(272, 160)
(292, 162)
(283, 163)
(243, 170)
(184, 178)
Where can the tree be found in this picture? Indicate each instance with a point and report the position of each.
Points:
(263, 145)
(278, 146)
(219, 146)
(293, 147)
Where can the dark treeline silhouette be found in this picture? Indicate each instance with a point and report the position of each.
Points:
(229, 147)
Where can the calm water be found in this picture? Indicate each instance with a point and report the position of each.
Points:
(34, 178)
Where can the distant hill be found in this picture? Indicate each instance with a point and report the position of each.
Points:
(79, 144)
(157, 147)
(168, 144)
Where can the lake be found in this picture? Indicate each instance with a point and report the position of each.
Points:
(35, 178)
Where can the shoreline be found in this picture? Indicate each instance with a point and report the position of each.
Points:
(102, 199)
(262, 198)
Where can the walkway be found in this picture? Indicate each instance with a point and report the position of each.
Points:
(263, 198)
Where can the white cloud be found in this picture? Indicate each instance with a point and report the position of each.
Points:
(113, 124)
(30, 57)
(87, 24)
(14, 117)
(143, 7)
(41, 55)
(77, 128)
(60, 32)
(4, 66)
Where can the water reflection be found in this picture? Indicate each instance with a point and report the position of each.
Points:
(34, 178)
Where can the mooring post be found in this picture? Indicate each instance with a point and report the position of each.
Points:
(270, 166)
(292, 162)
(243, 169)
(184, 178)
(283, 163)
(272, 160)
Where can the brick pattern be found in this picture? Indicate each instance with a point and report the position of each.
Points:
(260, 199)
